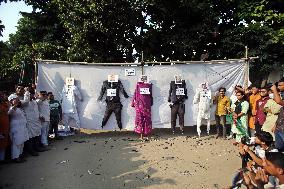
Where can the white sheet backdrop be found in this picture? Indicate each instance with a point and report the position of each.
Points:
(89, 79)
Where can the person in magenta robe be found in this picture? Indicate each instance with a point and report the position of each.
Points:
(142, 102)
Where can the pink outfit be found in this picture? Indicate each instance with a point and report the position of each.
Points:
(142, 104)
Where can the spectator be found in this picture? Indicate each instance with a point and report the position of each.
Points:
(4, 126)
(44, 111)
(278, 128)
(260, 115)
(272, 109)
(275, 167)
(240, 123)
(18, 129)
(222, 105)
(255, 96)
(55, 115)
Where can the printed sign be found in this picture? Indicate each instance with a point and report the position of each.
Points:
(112, 78)
(69, 80)
(178, 79)
(144, 78)
(144, 91)
(130, 72)
(180, 91)
(111, 92)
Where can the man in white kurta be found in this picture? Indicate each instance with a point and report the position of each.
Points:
(18, 128)
(69, 106)
(204, 100)
(44, 113)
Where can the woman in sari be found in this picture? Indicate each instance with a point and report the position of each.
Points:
(240, 117)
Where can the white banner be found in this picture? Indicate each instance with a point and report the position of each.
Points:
(89, 80)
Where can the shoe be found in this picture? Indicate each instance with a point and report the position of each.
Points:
(217, 136)
(40, 149)
(235, 143)
(34, 153)
(58, 138)
(19, 160)
(230, 137)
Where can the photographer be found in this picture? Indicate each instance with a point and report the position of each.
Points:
(274, 167)
(278, 128)
(263, 142)
(252, 159)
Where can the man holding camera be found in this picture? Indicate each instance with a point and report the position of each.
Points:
(278, 129)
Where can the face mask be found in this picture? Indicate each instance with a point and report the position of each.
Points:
(271, 95)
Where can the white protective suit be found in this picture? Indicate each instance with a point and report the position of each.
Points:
(203, 98)
(69, 106)
(18, 131)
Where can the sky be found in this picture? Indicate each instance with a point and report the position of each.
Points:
(9, 15)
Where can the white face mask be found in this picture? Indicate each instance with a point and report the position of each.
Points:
(271, 95)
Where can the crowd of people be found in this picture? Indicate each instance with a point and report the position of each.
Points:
(27, 119)
(256, 116)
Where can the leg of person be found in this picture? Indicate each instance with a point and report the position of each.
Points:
(16, 151)
(117, 112)
(54, 124)
(217, 119)
(223, 123)
(65, 121)
(51, 127)
(2, 154)
(44, 133)
(37, 144)
(174, 112)
(252, 132)
(257, 127)
(30, 148)
(208, 126)
(198, 124)
(279, 140)
(181, 112)
(108, 112)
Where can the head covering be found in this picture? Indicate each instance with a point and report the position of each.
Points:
(12, 96)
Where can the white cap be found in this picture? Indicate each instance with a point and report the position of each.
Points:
(12, 96)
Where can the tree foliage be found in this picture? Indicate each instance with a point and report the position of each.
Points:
(120, 30)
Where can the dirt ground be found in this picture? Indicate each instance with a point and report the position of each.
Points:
(119, 160)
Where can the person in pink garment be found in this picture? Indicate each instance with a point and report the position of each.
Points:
(142, 102)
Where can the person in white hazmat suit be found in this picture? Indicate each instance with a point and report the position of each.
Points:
(203, 98)
(70, 93)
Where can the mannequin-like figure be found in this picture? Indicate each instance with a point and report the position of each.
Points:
(177, 96)
(70, 94)
(112, 90)
(204, 100)
(142, 102)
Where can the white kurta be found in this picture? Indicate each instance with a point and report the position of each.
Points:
(18, 131)
(69, 106)
(44, 111)
(203, 98)
(33, 121)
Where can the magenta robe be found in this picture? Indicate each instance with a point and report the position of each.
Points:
(142, 104)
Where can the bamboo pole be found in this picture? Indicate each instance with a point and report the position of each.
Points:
(246, 71)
